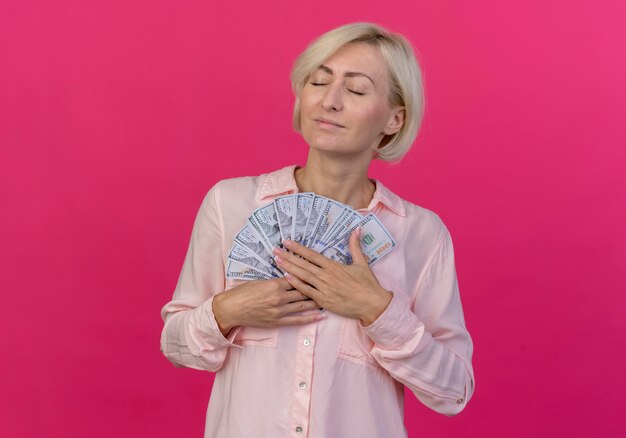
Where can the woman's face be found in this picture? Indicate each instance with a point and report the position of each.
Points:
(344, 104)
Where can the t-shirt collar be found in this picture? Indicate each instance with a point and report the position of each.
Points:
(283, 182)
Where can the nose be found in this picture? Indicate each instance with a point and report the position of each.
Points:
(332, 100)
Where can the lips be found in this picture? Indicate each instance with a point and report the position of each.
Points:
(329, 122)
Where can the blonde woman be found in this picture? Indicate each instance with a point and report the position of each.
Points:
(283, 366)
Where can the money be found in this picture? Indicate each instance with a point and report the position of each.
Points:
(342, 225)
(285, 209)
(375, 242)
(250, 239)
(317, 222)
(240, 271)
(304, 204)
(331, 213)
(319, 202)
(264, 220)
(244, 256)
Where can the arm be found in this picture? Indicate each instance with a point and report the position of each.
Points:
(202, 320)
(191, 336)
(426, 346)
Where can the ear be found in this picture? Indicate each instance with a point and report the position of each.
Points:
(396, 120)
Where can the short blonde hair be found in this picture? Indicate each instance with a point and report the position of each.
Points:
(406, 88)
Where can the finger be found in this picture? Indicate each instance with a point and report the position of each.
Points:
(294, 295)
(304, 287)
(356, 252)
(304, 273)
(299, 306)
(296, 260)
(312, 256)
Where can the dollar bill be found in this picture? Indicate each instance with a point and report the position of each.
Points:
(241, 254)
(375, 242)
(265, 222)
(304, 204)
(250, 239)
(330, 214)
(336, 223)
(343, 225)
(240, 271)
(285, 210)
(319, 202)
(320, 223)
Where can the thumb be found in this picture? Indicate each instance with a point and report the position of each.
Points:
(356, 252)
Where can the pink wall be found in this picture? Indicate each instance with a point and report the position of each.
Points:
(117, 116)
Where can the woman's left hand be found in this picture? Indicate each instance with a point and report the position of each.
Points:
(348, 290)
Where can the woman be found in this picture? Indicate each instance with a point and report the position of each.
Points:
(285, 367)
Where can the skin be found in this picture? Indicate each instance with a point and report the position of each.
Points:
(345, 114)
(348, 290)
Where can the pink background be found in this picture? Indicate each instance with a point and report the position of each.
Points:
(116, 117)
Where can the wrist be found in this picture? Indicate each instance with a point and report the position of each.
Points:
(376, 307)
(222, 314)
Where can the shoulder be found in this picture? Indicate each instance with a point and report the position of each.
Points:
(230, 195)
(421, 228)
(233, 185)
(424, 218)
(227, 188)
(414, 224)
(410, 216)
(236, 188)
(257, 184)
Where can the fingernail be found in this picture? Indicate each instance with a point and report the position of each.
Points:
(288, 276)
(287, 243)
(278, 260)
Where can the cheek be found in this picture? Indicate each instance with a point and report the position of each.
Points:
(374, 118)
(307, 98)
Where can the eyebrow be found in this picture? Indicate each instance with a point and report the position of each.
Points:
(349, 74)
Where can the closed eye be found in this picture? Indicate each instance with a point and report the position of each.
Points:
(321, 84)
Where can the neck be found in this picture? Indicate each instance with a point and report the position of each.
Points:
(342, 179)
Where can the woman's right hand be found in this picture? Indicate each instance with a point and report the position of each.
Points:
(263, 303)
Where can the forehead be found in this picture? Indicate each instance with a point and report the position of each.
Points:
(358, 57)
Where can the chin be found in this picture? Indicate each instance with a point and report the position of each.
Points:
(327, 147)
(322, 144)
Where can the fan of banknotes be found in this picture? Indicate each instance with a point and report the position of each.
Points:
(317, 222)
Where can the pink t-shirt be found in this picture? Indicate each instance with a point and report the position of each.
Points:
(332, 378)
